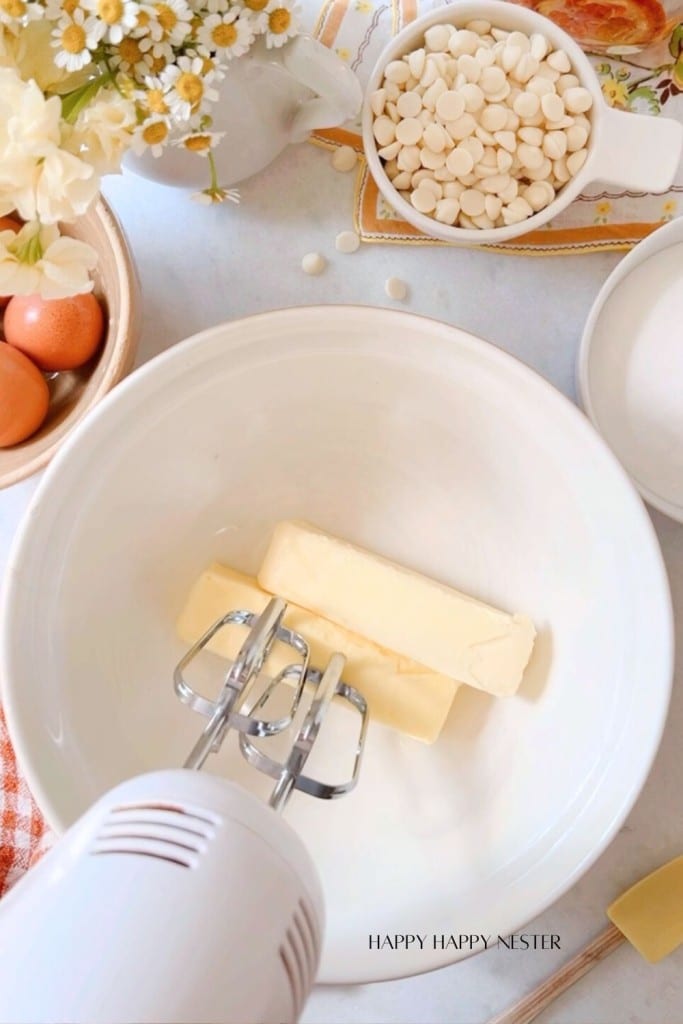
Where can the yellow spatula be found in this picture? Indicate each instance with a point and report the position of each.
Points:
(649, 915)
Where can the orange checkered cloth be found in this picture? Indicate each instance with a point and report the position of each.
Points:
(24, 836)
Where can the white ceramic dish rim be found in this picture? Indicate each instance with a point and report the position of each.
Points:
(188, 354)
(661, 239)
(607, 145)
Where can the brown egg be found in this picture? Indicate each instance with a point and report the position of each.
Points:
(8, 224)
(57, 334)
(24, 396)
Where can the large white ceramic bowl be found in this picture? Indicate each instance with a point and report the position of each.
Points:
(424, 444)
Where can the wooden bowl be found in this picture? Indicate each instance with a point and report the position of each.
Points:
(74, 393)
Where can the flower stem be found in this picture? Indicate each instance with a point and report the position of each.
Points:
(214, 172)
(74, 102)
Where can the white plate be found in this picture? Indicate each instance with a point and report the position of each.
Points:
(422, 443)
(630, 368)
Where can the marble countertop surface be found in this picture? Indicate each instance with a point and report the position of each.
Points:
(199, 266)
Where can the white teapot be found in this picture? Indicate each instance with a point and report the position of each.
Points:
(268, 99)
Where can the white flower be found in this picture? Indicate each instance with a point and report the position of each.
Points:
(199, 142)
(227, 34)
(152, 98)
(75, 37)
(104, 131)
(283, 22)
(188, 85)
(39, 261)
(255, 10)
(29, 123)
(215, 194)
(133, 55)
(153, 135)
(118, 17)
(18, 12)
(168, 20)
(32, 54)
(216, 6)
(65, 188)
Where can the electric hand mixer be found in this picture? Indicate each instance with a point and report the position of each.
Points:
(180, 897)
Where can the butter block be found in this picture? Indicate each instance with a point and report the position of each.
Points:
(401, 694)
(398, 609)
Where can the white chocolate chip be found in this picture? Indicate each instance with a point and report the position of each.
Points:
(565, 82)
(377, 101)
(461, 128)
(402, 180)
(480, 26)
(559, 61)
(447, 210)
(555, 145)
(493, 80)
(409, 158)
(409, 104)
(560, 170)
(396, 289)
(510, 57)
(391, 151)
(527, 104)
(485, 137)
(459, 161)
(434, 138)
(313, 263)
(517, 210)
(432, 186)
(526, 68)
(503, 160)
(424, 200)
(575, 161)
(507, 140)
(450, 105)
(493, 205)
(539, 86)
(472, 202)
(538, 195)
(519, 40)
(416, 62)
(346, 242)
(538, 46)
(577, 100)
(577, 135)
(543, 170)
(496, 183)
(494, 118)
(344, 159)
(533, 136)
(552, 106)
(470, 67)
(473, 97)
(392, 112)
(436, 37)
(409, 131)
(397, 71)
(531, 157)
(453, 189)
(384, 130)
(431, 159)
(463, 41)
(474, 148)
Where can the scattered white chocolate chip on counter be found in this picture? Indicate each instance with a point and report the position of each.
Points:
(480, 127)
(347, 242)
(313, 263)
(396, 288)
(344, 159)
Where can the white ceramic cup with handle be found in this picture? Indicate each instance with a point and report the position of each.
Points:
(632, 151)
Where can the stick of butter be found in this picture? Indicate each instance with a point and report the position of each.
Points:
(398, 609)
(400, 693)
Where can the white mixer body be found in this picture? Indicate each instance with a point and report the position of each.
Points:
(177, 898)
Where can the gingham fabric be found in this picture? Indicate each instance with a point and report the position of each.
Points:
(23, 833)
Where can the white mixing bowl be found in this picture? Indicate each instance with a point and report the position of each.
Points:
(424, 444)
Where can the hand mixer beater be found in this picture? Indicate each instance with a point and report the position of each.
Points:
(179, 897)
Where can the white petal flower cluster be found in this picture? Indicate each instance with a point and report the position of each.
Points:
(38, 260)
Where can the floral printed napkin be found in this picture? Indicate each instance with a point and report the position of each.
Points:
(636, 47)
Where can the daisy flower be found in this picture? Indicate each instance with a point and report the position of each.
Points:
(74, 37)
(283, 21)
(54, 9)
(201, 142)
(227, 34)
(152, 99)
(169, 20)
(215, 194)
(152, 134)
(118, 17)
(188, 86)
(17, 12)
(133, 56)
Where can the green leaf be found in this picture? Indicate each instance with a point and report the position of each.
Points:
(676, 41)
(74, 102)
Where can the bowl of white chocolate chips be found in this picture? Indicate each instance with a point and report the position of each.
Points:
(483, 121)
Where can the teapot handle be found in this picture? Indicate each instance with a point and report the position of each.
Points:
(338, 94)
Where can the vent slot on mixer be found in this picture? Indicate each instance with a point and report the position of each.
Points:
(299, 954)
(168, 832)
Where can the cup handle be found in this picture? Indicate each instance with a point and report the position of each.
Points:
(338, 95)
(638, 151)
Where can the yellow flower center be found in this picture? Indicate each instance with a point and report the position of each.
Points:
(156, 102)
(190, 88)
(256, 5)
(207, 65)
(73, 39)
(279, 20)
(198, 143)
(224, 35)
(69, 6)
(129, 51)
(167, 17)
(158, 64)
(143, 19)
(110, 11)
(156, 133)
(15, 8)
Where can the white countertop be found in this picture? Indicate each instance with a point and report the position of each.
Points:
(200, 266)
